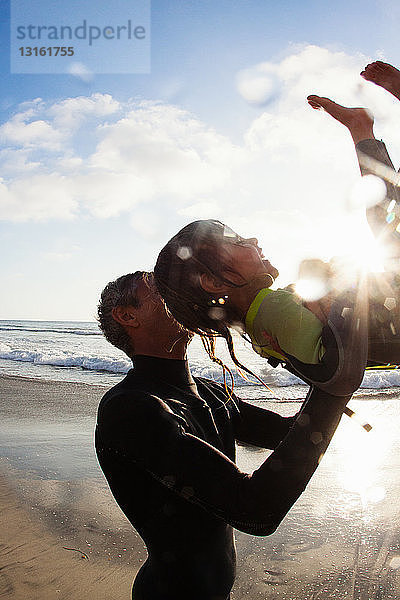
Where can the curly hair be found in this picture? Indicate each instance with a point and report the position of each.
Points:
(121, 292)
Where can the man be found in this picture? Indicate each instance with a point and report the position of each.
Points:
(166, 444)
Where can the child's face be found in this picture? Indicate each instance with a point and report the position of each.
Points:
(245, 259)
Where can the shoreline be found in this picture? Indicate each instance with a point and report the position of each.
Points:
(52, 381)
(365, 394)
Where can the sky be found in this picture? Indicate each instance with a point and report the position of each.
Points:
(99, 169)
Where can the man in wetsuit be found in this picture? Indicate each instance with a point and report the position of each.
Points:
(166, 444)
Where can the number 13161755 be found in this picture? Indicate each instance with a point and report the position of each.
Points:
(46, 51)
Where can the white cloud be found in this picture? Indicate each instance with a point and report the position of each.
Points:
(201, 210)
(15, 161)
(176, 154)
(258, 85)
(72, 112)
(81, 71)
(289, 181)
(57, 256)
(37, 198)
(106, 193)
(21, 131)
(153, 153)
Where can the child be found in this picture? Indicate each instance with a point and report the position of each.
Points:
(212, 279)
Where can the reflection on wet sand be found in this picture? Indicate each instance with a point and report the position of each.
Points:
(342, 537)
(79, 512)
(340, 540)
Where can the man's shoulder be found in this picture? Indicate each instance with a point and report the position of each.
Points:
(122, 388)
(210, 384)
(130, 396)
(209, 387)
(133, 394)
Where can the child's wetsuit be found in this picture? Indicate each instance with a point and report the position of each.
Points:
(280, 315)
(281, 328)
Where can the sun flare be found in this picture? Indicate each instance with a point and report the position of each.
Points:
(366, 253)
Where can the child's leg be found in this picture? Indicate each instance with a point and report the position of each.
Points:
(358, 121)
(384, 290)
(383, 218)
(384, 75)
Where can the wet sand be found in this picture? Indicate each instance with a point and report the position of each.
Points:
(53, 497)
(63, 536)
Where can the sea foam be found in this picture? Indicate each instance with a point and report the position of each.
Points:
(78, 348)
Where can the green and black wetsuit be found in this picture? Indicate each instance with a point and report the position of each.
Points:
(166, 444)
(364, 323)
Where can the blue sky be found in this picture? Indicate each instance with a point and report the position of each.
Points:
(98, 172)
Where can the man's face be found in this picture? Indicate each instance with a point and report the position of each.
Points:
(152, 312)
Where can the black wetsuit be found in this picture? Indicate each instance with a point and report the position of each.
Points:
(166, 444)
(364, 321)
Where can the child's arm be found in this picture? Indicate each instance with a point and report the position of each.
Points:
(320, 308)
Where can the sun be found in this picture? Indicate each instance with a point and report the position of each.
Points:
(359, 253)
(366, 252)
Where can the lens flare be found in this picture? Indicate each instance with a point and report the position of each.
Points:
(368, 191)
(311, 289)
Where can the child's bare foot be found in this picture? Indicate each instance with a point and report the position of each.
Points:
(384, 75)
(357, 120)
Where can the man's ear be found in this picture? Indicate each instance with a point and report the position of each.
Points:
(125, 315)
(211, 284)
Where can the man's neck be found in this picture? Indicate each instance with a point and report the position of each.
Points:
(153, 369)
(169, 349)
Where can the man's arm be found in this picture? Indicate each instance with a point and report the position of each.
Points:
(251, 424)
(259, 426)
(143, 432)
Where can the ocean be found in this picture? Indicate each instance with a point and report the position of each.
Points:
(341, 539)
(78, 352)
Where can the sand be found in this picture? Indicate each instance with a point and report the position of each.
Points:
(63, 536)
(53, 497)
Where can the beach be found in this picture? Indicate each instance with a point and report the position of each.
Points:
(53, 497)
(63, 536)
